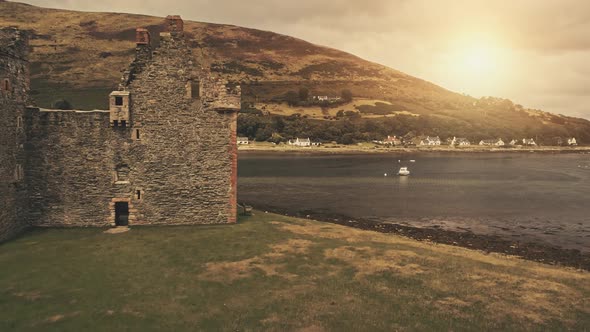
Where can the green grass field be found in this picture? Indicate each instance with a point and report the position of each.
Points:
(270, 272)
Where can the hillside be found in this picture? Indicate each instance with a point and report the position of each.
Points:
(79, 56)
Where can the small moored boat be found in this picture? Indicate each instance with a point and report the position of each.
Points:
(403, 171)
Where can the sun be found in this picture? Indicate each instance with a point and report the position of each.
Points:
(476, 66)
(478, 60)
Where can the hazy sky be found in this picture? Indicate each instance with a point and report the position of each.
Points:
(535, 52)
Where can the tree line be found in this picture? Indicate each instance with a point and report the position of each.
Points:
(350, 128)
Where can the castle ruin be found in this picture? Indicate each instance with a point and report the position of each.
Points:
(164, 153)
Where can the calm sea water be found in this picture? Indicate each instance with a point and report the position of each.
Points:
(526, 196)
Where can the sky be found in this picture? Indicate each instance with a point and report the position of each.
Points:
(534, 52)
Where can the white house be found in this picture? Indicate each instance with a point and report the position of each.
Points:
(393, 140)
(243, 140)
(321, 98)
(572, 141)
(492, 142)
(300, 142)
(528, 142)
(430, 141)
(461, 141)
(514, 142)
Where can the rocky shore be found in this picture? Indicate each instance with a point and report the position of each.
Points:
(487, 243)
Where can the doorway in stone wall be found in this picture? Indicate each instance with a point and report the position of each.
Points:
(121, 213)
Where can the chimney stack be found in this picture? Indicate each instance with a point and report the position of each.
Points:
(175, 24)
(142, 36)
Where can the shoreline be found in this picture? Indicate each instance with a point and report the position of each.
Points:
(366, 149)
(487, 243)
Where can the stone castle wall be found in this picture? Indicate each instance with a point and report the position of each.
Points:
(71, 159)
(14, 88)
(169, 153)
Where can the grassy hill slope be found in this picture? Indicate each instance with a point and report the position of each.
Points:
(79, 56)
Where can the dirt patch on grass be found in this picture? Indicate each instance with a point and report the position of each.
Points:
(292, 246)
(537, 300)
(270, 263)
(117, 230)
(60, 317)
(454, 306)
(326, 232)
(368, 261)
(29, 296)
(230, 271)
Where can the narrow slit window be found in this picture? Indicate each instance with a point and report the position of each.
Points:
(118, 101)
(138, 194)
(19, 173)
(189, 89)
(137, 134)
(195, 90)
(19, 122)
(6, 85)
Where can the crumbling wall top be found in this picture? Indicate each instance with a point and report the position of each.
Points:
(142, 36)
(219, 95)
(174, 24)
(14, 43)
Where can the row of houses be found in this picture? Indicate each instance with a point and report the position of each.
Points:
(326, 98)
(293, 142)
(461, 141)
(429, 141)
(399, 141)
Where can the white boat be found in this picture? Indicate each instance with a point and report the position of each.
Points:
(403, 171)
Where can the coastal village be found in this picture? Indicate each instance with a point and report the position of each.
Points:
(429, 141)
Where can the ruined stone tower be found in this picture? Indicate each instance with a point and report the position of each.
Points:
(183, 154)
(14, 89)
(164, 153)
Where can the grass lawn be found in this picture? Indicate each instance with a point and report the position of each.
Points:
(270, 272)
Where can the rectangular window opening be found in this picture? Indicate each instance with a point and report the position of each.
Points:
(19, 122)
(137, 134)
(115, 123)
(138, 194)
(118, 101)
(195, 90)
(124, 123)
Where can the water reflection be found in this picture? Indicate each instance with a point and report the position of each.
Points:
(516, 195)
(403, 181)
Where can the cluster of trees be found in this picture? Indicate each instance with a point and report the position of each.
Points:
(351, 128)
(62, 104)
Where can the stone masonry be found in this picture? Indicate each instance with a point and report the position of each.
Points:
(14, 89)
(164, 153)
